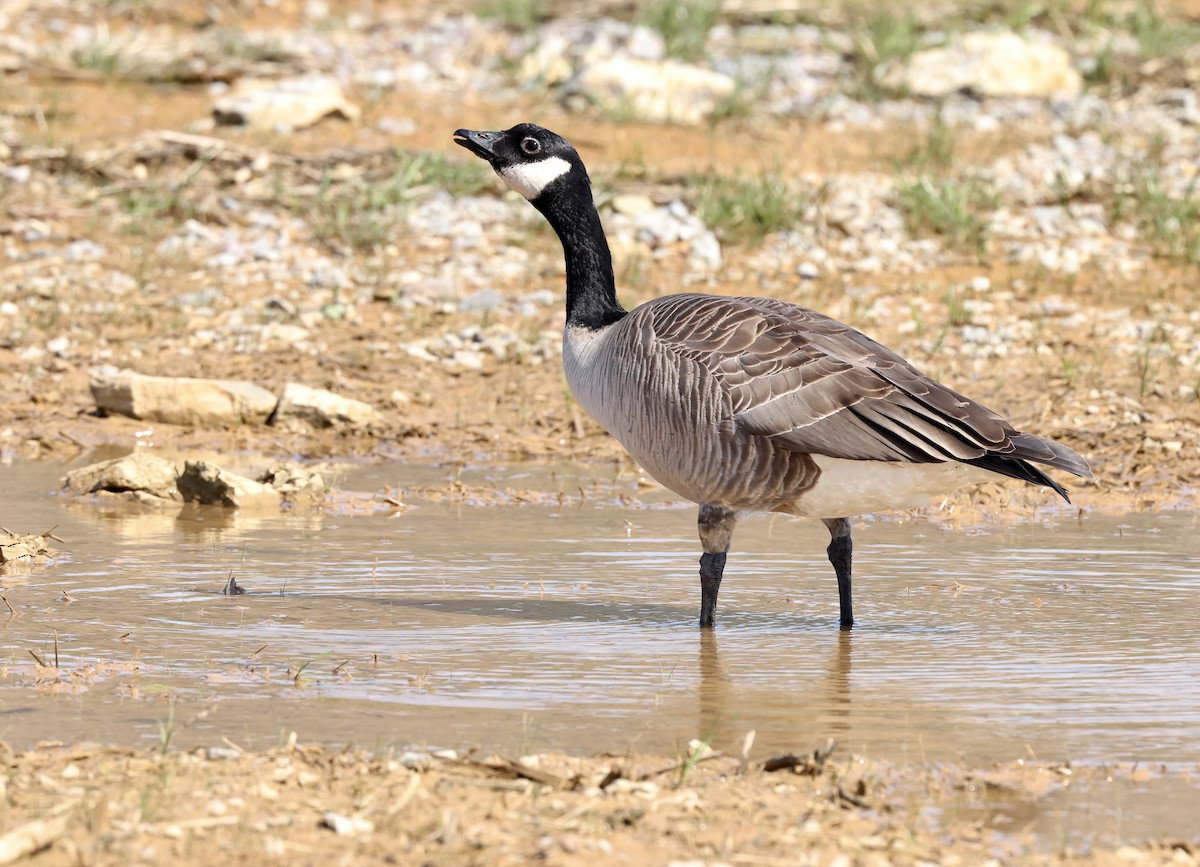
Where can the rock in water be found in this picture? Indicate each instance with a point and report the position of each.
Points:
(294, 482)
(142, 475)
(208, 484)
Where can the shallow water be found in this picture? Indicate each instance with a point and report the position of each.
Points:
(574, 628)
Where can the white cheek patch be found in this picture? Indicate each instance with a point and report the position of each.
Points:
(529, 179)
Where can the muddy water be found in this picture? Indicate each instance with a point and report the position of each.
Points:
(545, 627)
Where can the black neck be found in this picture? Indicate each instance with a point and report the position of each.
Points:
(591, 289)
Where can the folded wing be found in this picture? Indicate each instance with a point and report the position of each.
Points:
(814, 385)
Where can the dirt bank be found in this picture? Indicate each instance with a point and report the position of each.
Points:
(313, 805)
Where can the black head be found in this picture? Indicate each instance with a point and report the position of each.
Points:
(529, 158)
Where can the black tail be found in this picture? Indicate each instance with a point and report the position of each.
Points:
(1027, 447)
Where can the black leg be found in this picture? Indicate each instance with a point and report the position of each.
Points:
(711, 568)
(716, 530)
(840, 551)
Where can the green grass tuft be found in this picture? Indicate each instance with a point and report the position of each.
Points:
(1158, 36)
(108, 58)
(886, 35)
(933, 153)
(520, 15)
(362, 215)
(744, 208)
(684, 24)
(957, 210)
(1170, 223)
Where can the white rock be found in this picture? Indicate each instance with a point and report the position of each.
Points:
(987, 64)
(631, 203)
(180, 400)
(301, 405)
(284, 334)
(83, 250)
(705, 253)
(481, 302)
(138, 473)
(541, 298)
(346, 826)
(468, 359)
(58, 345)
(665, 91)
(291, 103)
(415, 761)
(549, 62)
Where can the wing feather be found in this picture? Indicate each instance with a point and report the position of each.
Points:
(815, 385)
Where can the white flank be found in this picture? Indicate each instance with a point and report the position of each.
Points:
(848, 488)
(529, 179)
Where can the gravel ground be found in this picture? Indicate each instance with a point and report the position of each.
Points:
(139, 233)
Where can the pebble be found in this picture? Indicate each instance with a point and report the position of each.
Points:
(58, 345)
(346, 826)
(416, 761)
(221, 754)
(83, 250)
(541, 298)
(481, 302)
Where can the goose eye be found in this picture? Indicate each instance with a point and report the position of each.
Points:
(531, 145)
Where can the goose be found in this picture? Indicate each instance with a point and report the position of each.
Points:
(744, 404)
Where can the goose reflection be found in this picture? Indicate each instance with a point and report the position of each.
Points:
(786, 716)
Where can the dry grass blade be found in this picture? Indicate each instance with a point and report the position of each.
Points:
(611, 777)
(514, 770)
(414, 783)
(684, 765)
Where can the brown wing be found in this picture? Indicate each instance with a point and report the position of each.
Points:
(815, 385)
